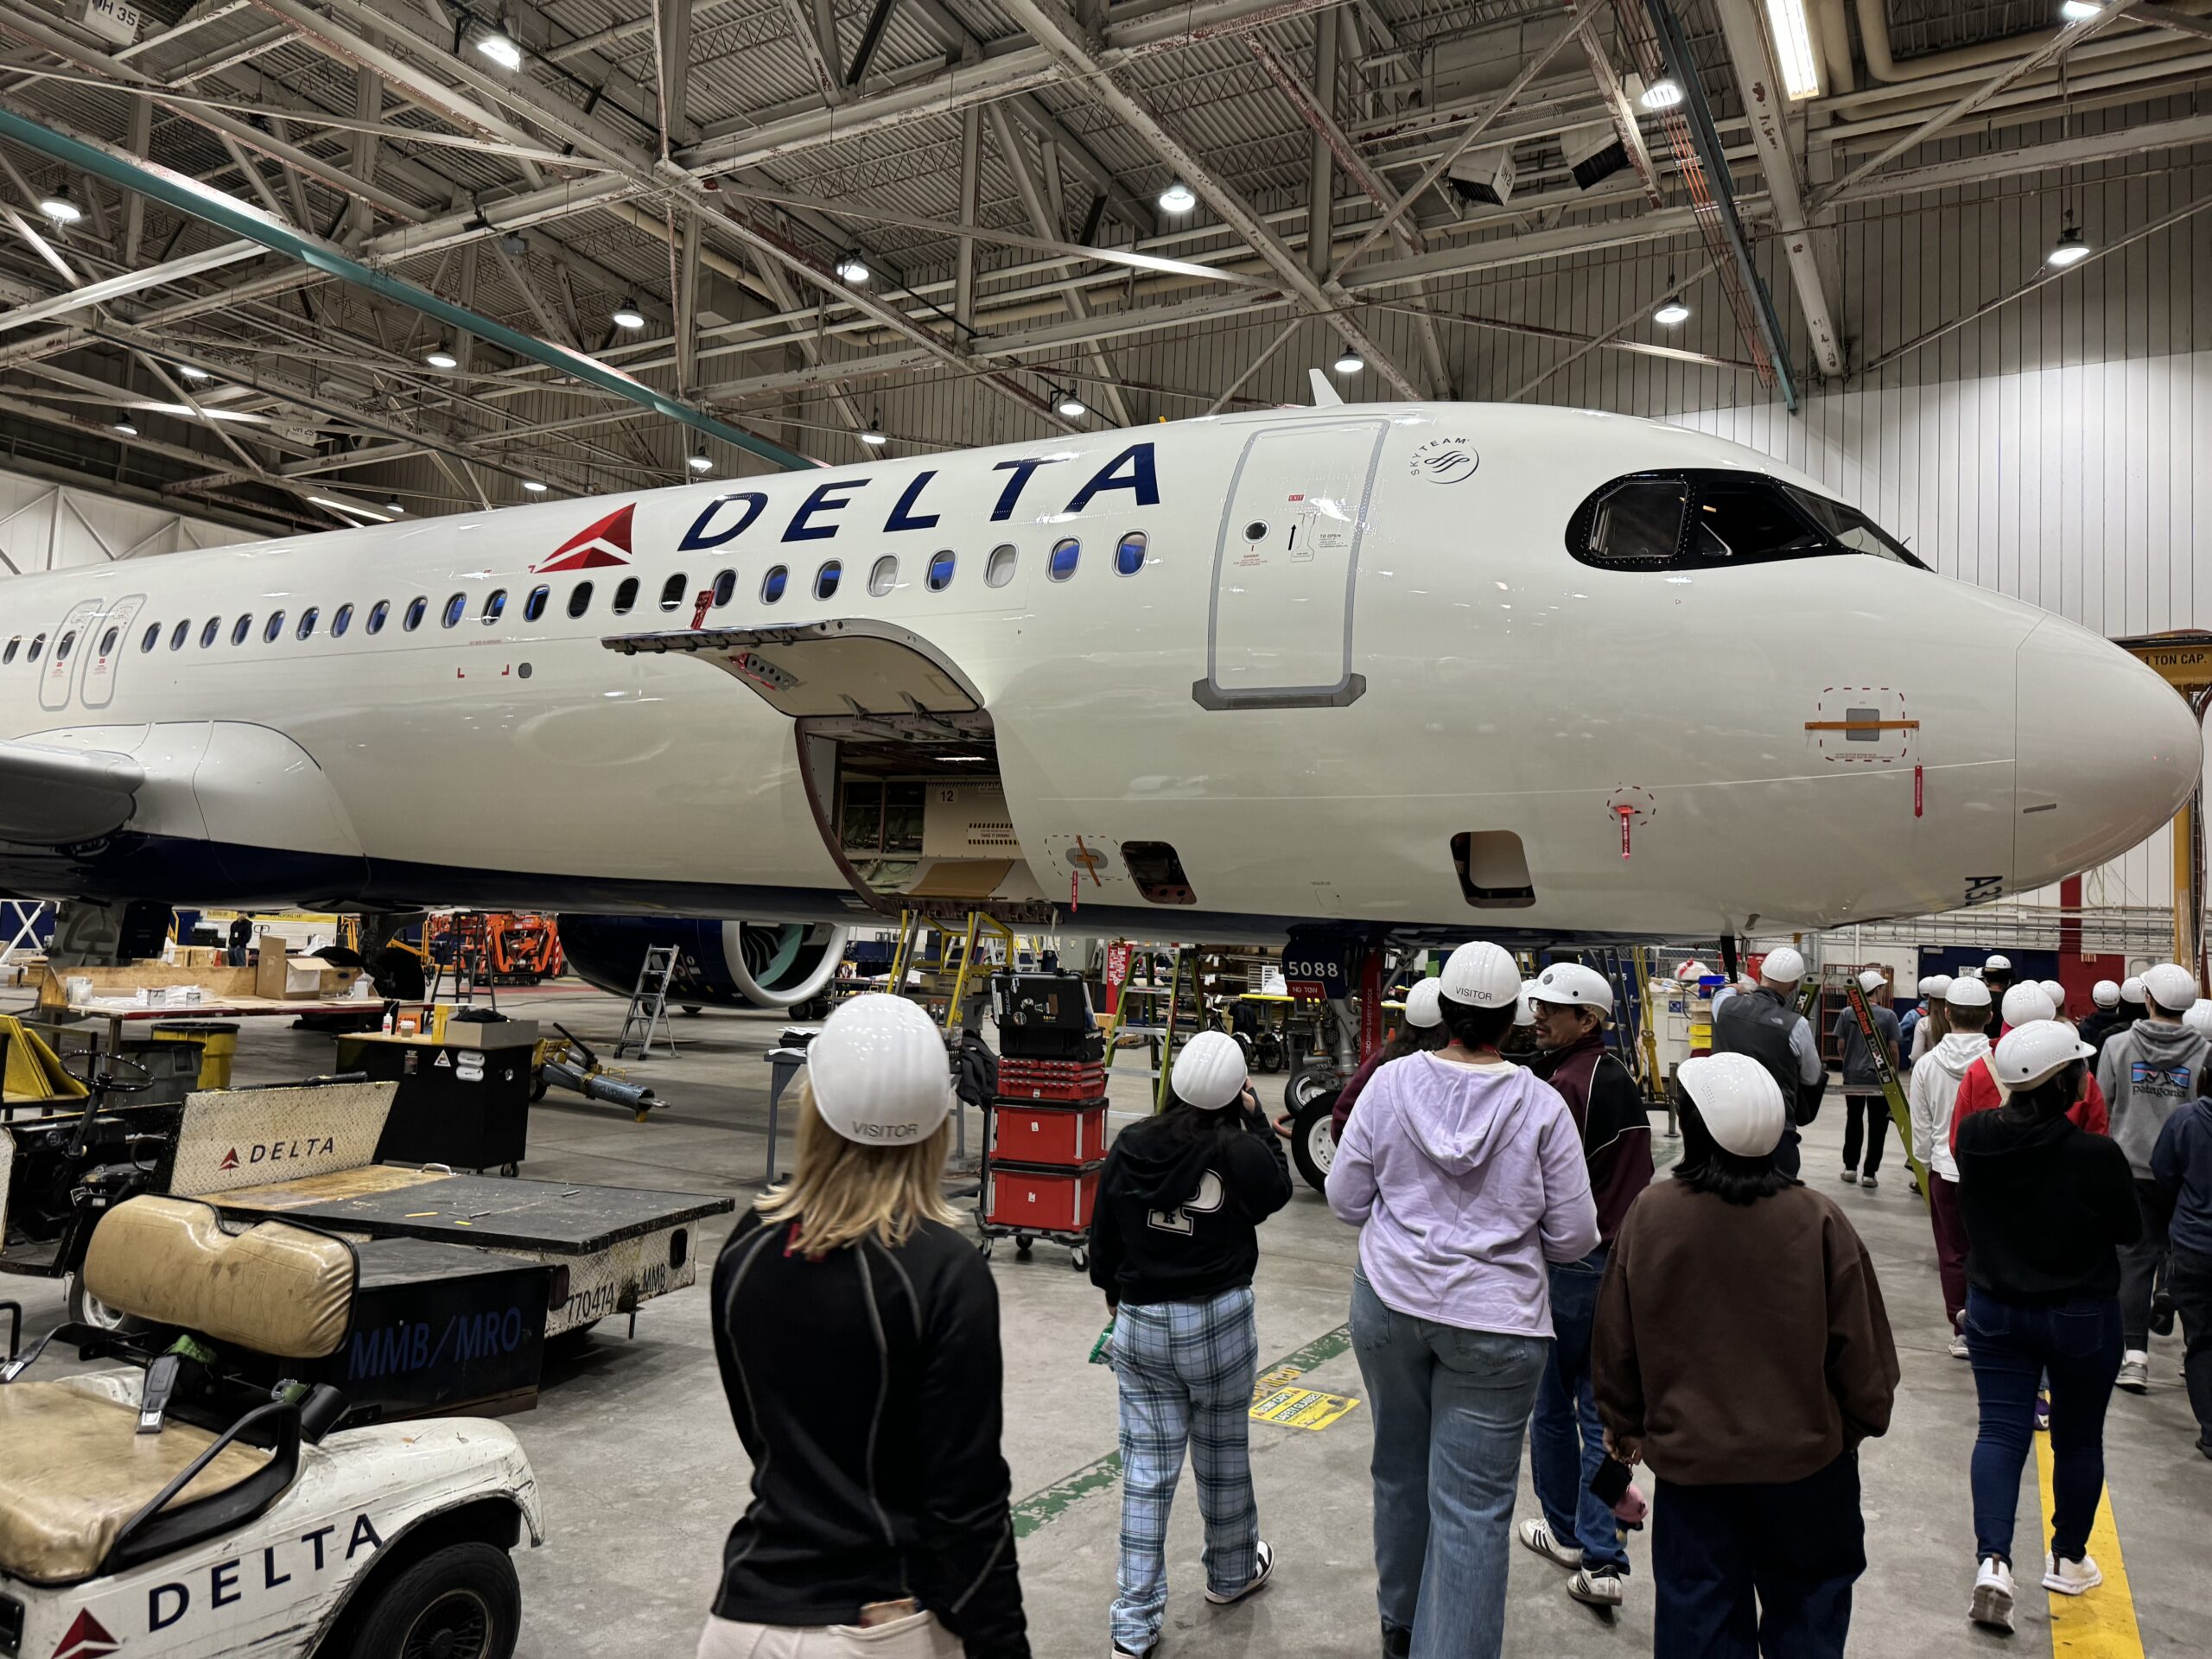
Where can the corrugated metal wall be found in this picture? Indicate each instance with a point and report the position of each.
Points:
(50, 526)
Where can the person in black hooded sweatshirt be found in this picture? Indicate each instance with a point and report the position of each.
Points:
(1173, 1242)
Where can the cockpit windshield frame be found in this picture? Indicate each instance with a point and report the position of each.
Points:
(1722, 516)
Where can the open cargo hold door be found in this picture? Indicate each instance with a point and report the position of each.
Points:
(900, 763)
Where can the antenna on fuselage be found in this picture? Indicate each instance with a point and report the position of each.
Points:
(1325, 395)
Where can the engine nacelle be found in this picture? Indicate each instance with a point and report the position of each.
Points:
(719, 964)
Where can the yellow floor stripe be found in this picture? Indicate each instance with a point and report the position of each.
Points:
(2100, 1625)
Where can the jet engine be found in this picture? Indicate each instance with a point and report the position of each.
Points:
(719, 964)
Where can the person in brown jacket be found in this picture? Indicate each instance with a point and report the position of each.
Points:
(1742, 1350)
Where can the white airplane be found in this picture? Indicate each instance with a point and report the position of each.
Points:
(1541, 674)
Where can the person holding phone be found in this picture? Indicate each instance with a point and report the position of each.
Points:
(1173, 1243)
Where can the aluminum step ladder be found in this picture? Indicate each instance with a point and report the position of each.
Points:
(648, 1009)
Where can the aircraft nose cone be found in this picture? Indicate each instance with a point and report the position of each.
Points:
(2107, 752)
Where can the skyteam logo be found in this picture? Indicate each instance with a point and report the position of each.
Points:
(604, 542)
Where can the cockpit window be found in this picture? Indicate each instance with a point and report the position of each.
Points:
(1698, 519)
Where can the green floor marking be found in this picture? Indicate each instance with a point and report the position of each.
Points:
(1055, 1500)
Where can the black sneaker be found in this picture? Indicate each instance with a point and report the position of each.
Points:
(2162, 1315)
(1399, 1645)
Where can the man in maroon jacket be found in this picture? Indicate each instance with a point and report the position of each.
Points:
(1566, 1441)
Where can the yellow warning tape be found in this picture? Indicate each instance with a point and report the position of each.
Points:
(2100, 1625)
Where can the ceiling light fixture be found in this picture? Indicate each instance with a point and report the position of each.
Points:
(1793, 48)
(1349, 362)
(852, 269)
(2079, 11)
(61, 208)
(347, 507)
(501, 49)
(439, 357)
(533, 485)
(1672, 312)
(627, 315)
(1071, 405)
(1178, 197)
(875, 437)
(395, 506)
(194, 372)
(2072, 247)
(1662, 94)
(126, 428)
(701, 462)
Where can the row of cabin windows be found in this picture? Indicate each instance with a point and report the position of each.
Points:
(1129, 555)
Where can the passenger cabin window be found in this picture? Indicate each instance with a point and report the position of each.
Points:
(182, 632)
(1128, 557)
(150, 638)
(825, 578)
(379, 613)
(456, 608)
(580, 599)
(998, 569)
(941, 569)
(671, 592)
(418, 608)
(9, 655)
(626, 595)
(207, 634)
(772, 584)
(495, 605)
(37, 650)
(242, 628)
(1705, 518)
(534, 607)
(341, 619)
(108, 640)
(884, 577)
(68, 644)
(309, 618)
(725, 587)
(274, 627)
(1063, 563)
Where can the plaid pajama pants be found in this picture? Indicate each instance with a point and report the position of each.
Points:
(1186, 1370)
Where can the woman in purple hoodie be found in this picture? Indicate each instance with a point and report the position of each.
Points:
(1465, 1175)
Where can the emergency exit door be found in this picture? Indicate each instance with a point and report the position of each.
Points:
(1286, 567)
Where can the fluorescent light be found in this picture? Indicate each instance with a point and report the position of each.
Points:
(701, 462)
(395, 506)
(874, 436)
(126, 428)
(627, 315)
(192, 371)
(2079, 11)
(1661, 94)
(347, 506)
(60, 208)
(2073, 248)
(1672, 312)
(1178, 197)
(1349, 362)
(439, 357)
(852, 268)
(1072, 406)
(1793, 45)
(533, 485)
(501, 50)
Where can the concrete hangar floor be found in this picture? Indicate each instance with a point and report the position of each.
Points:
(642, 1473)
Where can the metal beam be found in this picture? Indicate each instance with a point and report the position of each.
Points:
(972, 173)
(1617, 107)
(130, 281)
(801, 15)
(870, 36)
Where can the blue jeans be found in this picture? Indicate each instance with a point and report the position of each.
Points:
(1451, 1410)
(1565, 1441)
(1744, 1570)
(2012, 1346)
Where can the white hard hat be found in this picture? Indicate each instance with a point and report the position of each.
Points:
(1934, 984)
(1570, 985)
(1783, 967)
(2199, 1017)
(879, 1072)
(1691, 970)
(1738, 1099)
(2106, 994)
(1966, 992)
(2034, 1053)
(2025, 1003)
(1210, 1071)
(2057, 992)
(1421, 1007)
(2131, 989)
(1998, 965)
(2171, 986)
(1481, 974)
(1871, 981)
(1523, 1013)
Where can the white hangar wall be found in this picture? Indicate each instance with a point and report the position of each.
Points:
(46, 526)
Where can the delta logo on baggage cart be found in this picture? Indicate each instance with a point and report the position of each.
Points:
(86, 1638)
(279, 1152)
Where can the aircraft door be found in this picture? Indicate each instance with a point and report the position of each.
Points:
(114, 631)
(1286, 565)
(69, 646)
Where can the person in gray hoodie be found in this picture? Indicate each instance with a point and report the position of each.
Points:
(1467, 1178)
(2148, 1072)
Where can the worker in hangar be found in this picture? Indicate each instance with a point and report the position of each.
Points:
(1764, 1023)
(1866, 1107)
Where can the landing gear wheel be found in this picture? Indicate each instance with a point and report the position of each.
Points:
(80, 1307)
(1310, 1083)
(461, 1602)
(1312, 1146)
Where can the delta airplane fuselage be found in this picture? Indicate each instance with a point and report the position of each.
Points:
(1449, 668)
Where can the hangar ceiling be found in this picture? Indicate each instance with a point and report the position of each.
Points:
(334, 259)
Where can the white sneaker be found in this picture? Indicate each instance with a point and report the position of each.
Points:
(1264, 1556)
(1850, 1177)
(2071, 1578)
(1992, 1596)
(1599, 1587)
(1959, 1345)
(1537, 1535)
(2134, 1371)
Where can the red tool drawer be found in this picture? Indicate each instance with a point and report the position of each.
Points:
(1040, 1200)
(1048, 1135)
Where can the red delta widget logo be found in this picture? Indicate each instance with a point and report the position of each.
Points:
(86, 1639)
(593, 547)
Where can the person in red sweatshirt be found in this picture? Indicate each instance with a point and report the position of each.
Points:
(1579, 1530)
(1979, 1092)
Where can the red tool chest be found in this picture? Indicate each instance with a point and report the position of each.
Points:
(1052, 1136)
(1039, 1200)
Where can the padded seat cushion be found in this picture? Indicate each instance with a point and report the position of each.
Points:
(73, 1469)
(277, 1288)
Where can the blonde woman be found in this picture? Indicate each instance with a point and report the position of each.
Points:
(858, 1334)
